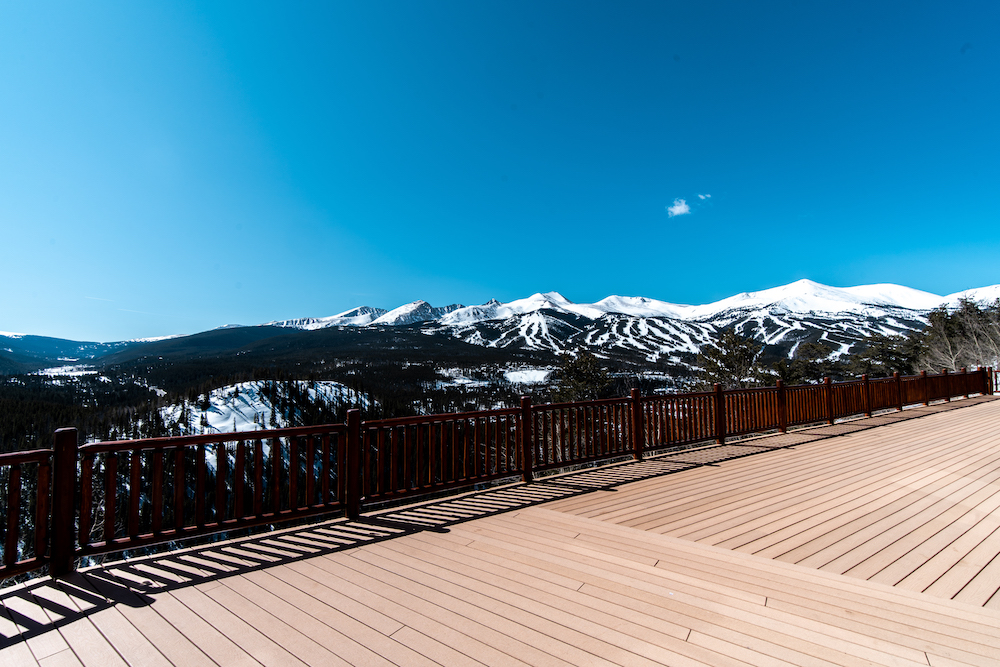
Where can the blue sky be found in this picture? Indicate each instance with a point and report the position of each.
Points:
(172, 167)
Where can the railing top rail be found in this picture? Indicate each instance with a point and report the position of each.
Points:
(30, 456)
(582, 404)
(748, 390)
(443, 417)
(674, 397)
(209, 438)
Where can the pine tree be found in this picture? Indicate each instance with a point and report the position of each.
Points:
(811, 362)
(579, 378)
(733, 361)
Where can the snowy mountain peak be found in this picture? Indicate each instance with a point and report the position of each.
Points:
(640, 306)
(414, 312)
(806, 296)
(355, 317)
(980, 295)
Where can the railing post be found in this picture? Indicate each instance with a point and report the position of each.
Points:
(866, 395)
(925, 387)
(899, 390)
(353, 472)
(947, 385)
(782, 407)
(638, 432)
(965, 381)
(527, 440)
(828, 392)
(720, 415)
(63, 530)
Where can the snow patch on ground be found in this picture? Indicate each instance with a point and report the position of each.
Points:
(527, 376)
(74, 370)
(245, 406)
(456, 378)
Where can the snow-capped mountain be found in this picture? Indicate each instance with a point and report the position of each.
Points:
(979, 295)
(803, 297)
(412, 313)
(628, 328)
(638, 326)
(355, 317)
(808, 297)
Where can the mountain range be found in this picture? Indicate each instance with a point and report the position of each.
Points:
(643, 328)
(633, 330)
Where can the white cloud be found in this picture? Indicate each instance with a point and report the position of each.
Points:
(704, 196)
(680, 207)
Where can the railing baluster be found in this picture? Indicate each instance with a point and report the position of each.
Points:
(157, 491)
(293, 473)
(179, 488)
(199, 490)
(325, 469)
(86, 497)
(221, 472)
(13, 515)
(258, 477)
(110, 495)
(432, 455)
(42, 508)
(239, 480)
(134, 492)
(310, 472)
(275, 475)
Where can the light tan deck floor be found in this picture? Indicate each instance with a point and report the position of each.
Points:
(781, 558)
(913, 504)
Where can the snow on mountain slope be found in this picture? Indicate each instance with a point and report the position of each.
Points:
(806, 296)
(246, 406)
(887, 294)
(640, 306)
(981, 295)
(355, 317)
(800, 297)
(413, 313)
(631, 327)
(494, 310)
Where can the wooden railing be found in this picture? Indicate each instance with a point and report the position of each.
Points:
(25, 508)
(417, 455)
(564, 434)
(73, 501)
(137, 492)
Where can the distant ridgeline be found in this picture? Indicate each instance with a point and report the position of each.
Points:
(419, 359)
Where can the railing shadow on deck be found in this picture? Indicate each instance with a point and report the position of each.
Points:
(43, 605)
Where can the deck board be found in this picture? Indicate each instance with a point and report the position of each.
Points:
(869, 542)
(925, 487)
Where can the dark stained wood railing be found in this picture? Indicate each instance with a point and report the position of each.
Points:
(68, 502)
(139, 492)
(567, 434)
(679, 419)
(751, 410)
(419, 455)
(25, 507)
(806, 404)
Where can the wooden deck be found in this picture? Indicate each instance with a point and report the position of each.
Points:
(867, 542)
